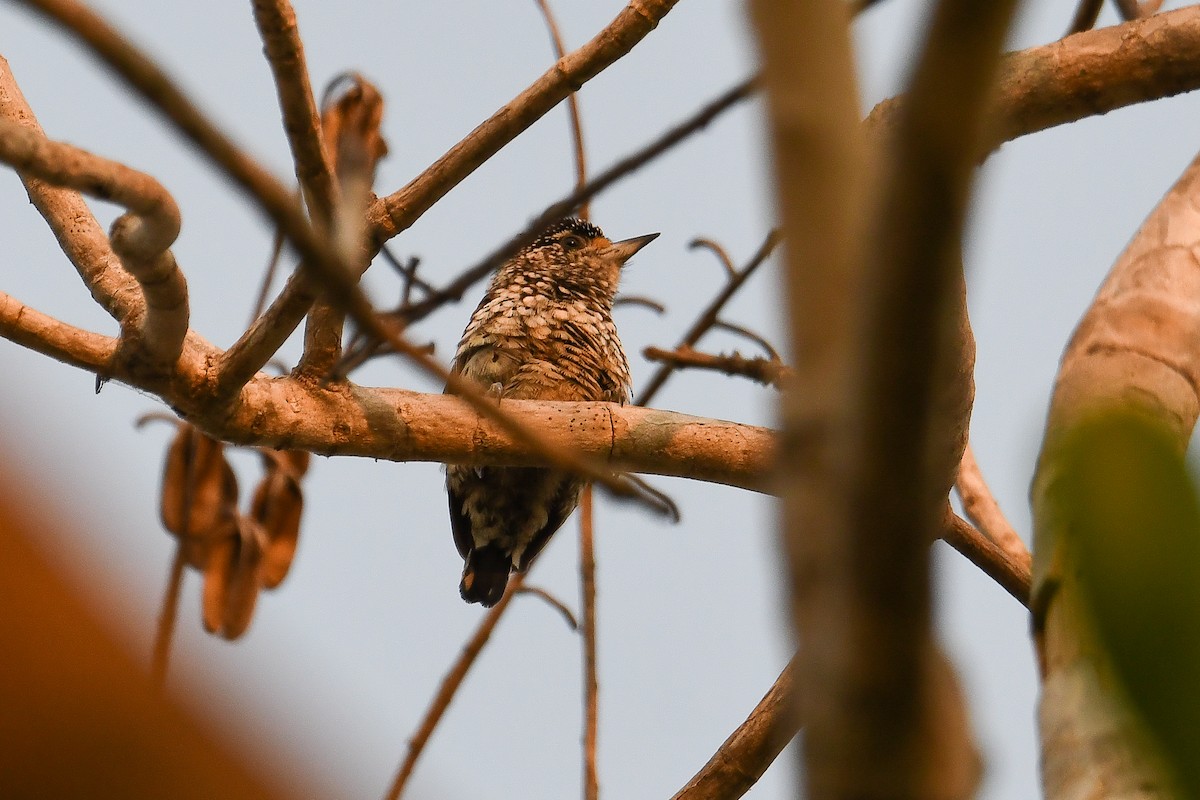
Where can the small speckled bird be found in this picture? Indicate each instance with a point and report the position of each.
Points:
(543, 331)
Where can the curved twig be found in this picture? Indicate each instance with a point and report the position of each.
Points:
(79, 235)
(140, 237)
(553, 602)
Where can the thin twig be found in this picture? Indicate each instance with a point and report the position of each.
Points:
(746, 333)
(268, 277)
(743, 758)
(555, 211)
(719, 251)
(284, 49)
(709, 316)
(981, 508)
(553, 602)
(392, 214)
(1013, 577)
(644, 302)
(591, 686)
(165, 633)
(454, 678)
(765, 371)
(572, 107)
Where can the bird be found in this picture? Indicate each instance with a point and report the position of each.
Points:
(543, 331)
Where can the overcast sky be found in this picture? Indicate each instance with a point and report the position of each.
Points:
(341, 661)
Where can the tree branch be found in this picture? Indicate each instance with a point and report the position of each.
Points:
(982, 509)
(743, 758)
(709, 316)
(1138, 345)
(284, 49)
(392, 214)
(78, 233)
(763, 370)
(140, 237)
(30, 328)
(1085, 75)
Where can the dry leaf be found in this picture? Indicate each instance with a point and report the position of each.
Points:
(231, 580)
(199, 493)
(277, 508)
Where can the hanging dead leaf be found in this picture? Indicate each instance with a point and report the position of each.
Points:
(277, 507)
(199, 493)
(231, 580)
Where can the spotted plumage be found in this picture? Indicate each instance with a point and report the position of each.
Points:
(543, 331)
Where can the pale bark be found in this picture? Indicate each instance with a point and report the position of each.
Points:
(1138, 345)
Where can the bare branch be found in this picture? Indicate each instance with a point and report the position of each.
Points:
(30, 328)
(708, 317)
(284, 49)
(572, 201)
(78, 233)
(1085, 75)
(351, 126)
(450, 684)
(743, 758)
(553, 602)
(400, 425)
(1013, 576)
(139, 237)
(591, 686)
(560, 51)
(765, 371)
(392, 214)
(981, 508)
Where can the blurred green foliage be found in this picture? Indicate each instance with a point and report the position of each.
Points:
(1132, 528)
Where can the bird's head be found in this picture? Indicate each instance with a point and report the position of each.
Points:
(576, 255)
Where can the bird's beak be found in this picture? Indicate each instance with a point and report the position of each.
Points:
(623, 250)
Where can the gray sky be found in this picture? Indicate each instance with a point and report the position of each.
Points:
(340, 662)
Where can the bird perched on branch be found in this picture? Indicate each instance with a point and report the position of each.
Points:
(543, 331)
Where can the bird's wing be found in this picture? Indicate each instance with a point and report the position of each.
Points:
(460, 526)
(562, 503)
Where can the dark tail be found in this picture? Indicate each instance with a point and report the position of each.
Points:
(485, 576)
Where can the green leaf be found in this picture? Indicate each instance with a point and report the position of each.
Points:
(1132, 523)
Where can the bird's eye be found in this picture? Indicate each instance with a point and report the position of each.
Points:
(571, 242)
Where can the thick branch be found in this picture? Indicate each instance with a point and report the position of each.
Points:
(1137, 346)
(1085, 75)
(392, 214)
(398, 425)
